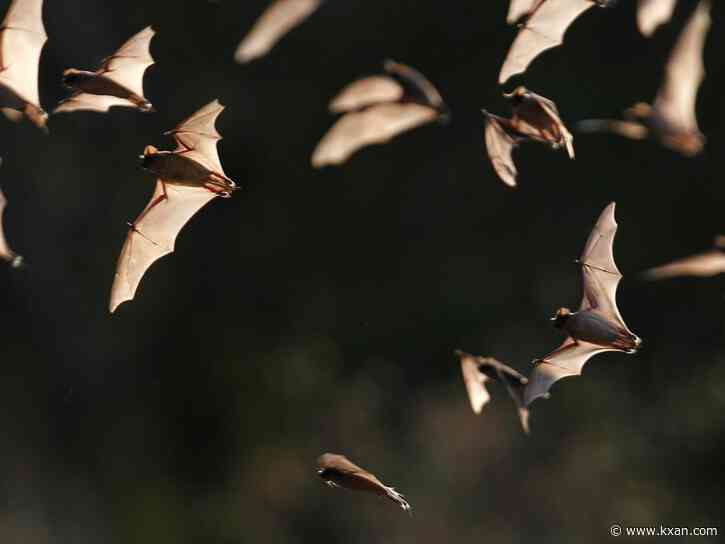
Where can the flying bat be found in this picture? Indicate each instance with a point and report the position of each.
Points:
(477, 371)
(187, 178)
(118, 82)
(534, 118)
(376, 109)
(338, 471)
(653, 13)
(707, 264)
(545, 25)
(671, 120)
(22, 37)
(7, 254)
(278, 19)
(597, 326)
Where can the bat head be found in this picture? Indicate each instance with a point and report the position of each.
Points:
(518, 95)
(561, 316)
(148, 156)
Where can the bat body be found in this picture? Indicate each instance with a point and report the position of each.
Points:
(279, 18)
(22, 37)
(376, 109)
(477, 371)
(597, 326)
(7, 254)
(118, 82)
(707, 264)
(544, 28)
(187, 179)
(653, 13)
(534, 118)
(671, 119)
(338, 471)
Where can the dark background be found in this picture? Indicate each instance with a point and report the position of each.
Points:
(318, 311)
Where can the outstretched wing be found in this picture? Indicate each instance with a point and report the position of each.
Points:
(366, 92)
(567, 360)
(475, 382)
(22, 37)
(500, 145)
(675, 101)
(538, 117)
(705, 265)
(93, 102)
(543, 30)
(279, 18)
(374, 125)
(154, 235)
(653, 13)
(6, 253)
(515, 384)
(417, 81)
(127, 65)
(197, 136)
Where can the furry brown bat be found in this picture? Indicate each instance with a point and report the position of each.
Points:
(707, 264)
(534, 118)
(22, 37)
(653, 13)
(544, 28)
(279, 18)
(376, 109)
(338, 471)
(118, 82)
(7, 254)
(187, 178)
(671, 120)
(479, 370)
(597, 326)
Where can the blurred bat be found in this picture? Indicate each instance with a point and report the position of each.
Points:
(279, 18)
(188, 178)
(339, 471)
(22, 36)
(376, 109)
(653, 13)
(477, 371)
(534, 118)
(707, 264)
(597, 326)
(118, 82)
(521, 9)
(544, 28)
(7, 254)
(671, 120)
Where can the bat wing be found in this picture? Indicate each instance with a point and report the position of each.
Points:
(653, 13)
(500, 145)
(279, 18)
(6, 253)
(91, 102)
(127, 65)
(22, 37)
(706, 265)
(543, 118)
(154, 235)
(520, 9)
(418, 81)
(543, 30)
(196, 137)
(516, 384)
(567, 360)
(475, 383)
(374, 125)
(366, 92)
(675, 101)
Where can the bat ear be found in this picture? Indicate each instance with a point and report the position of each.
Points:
(149, 150)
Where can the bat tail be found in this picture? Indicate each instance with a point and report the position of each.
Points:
(399, 499)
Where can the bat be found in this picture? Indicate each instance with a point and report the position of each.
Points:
(671, 119)
(477, 371)
(653, 13)
(187, 178)
(376, 109)
(338, 471)
(22, 37)
(597, 326)
(707, 264)
(534, 118)
(7, 254)
(521, 9)
(118, 81)
(544, 28)
(278, 19)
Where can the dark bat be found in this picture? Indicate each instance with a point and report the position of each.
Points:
(544, 28)
(534, 118)
(187, 178)
(22, 37)
(278, 19)
(598, 325)
(376, 109)
(653, 13)
(118, 82)
(338, 471)
(671, 120)
(7, 254)
(477, 371)
(707, 264)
